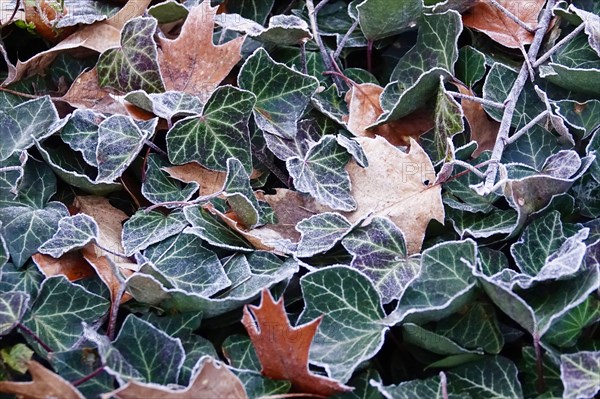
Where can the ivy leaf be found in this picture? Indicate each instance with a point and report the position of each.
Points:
(156, 356)
(240, 353)
(26, 123)
(58, 311)
(282, 94)
(583, 116)
(79, 363)
(239, 194)
(74, 232)
(220, 133)
(579, 373)
(320, 233)
(566, 330)
(321, 174)
(416, 335)
(352, 319)
(146, 228)
(477, 225)
(256, 10)
(13, 306)
(81, 133)
(191, 63)
(283, 30)
(470, 66)
(166, 105)
(379, 251)
(119, 141)
(382, 18)
(280, 359)
(444, 285)
(213, 230)
(158, 187)
(187, 265)
(492, 377)
(133, 65)
(416, 76)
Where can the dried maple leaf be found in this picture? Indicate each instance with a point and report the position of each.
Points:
(483, 129)
(98, 37)
(488, 19)
(192, 63)
(71, 265)
(44, 384)
(85, 92)
(364, 108)
(283, 349)
(397, 185)
(213, 380)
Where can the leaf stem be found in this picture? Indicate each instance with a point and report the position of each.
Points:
(558, 45)
(512, 16)
(88, 377)
(525, 128)
(539, 365)
(370, 56)
(110, 251)
(511, 101)
(340, 47)
(33, 335)
(444, 383)
(479, 100)
(114, 311)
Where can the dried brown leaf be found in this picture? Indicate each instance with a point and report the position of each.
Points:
(484, 130)
(85, 92)
(364, 108)
(486, 18)
(210, 181)
(71, 265)
(283, 349)
(191, 62)
(213, 380)
(45, 384)
(397, 185)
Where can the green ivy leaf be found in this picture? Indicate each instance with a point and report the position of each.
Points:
(256, 10)
(567, 329)
(13, 306)
(76, 364)
(382, 18)
(481, 225)
(186, 265)
(240, 195)
(320, 233)
(17, 357)
(74, 232)
(240, 353)
(351, 331)
(282, 94)
(81, 133)
(219, 134)
(580, 374)
(583, 116)
(213, 230)
(166, 105)
(433, 342)
(492, 377)
(146, 228)
(58, 311)
(321, 173)
(133, 65)
(27, 279)
(379, 251)
(470, 67)
(159, 187)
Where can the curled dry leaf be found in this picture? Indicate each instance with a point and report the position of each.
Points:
(44, 384)
(488, 19)
(283, 349)
(212, 380)
(397, 185)
(210, 181)
(71, 265)
(365, 108)
(483, 129)
(192, 63)
(85, 92)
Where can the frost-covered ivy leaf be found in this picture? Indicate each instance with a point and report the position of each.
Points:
(3, 250)
(416, 77)
(576, 67)
(283, 30)
(474, 328)
(363, 386)
(34, 189)
(146, 228)
(81, 133)
(416, 335)
(331, 104)
(448, 117)
(58, 311)
(284, 149)
(470, 66)
(492, 377)
(156, 356)
(119, 141)
(583, 116)
(28, 279)
(24, 124)
(75, 364)
(85, 12)
(566, 330)
(159, 187)
(239, 194)
(256, 10)
(481, 225)
(11, 177)
(220, 133)
(166, 105)
(593, 147)
(74, 232)
(322, 174)
(282, 93)
(580, 374)
(379, 251)
(382, 18)
(196, 347)
(532, 149)
(592, 26)
(320, 233)
(528, 373)
(212, 229)
(240, 353)
(444, 285)
(25, 228)
(258, 386)
(187, 265)
(354, 149)
(168, 11)
(180, 325)
(351, 331)
(13, 306)
(133, 65)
